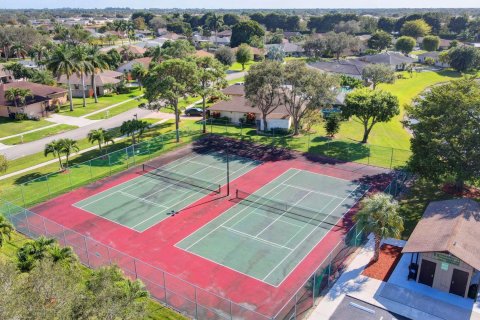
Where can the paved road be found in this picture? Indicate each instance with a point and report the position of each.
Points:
(354, 309)
(26, 149)
(76, 134)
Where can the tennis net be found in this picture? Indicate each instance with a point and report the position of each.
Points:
(180, 179)
(286, 209)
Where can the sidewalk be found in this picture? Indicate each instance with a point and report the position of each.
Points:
(110, 107)
(378, 293)
(73, 121)
(46, 163)
(27, 132)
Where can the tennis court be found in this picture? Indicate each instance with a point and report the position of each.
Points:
(145, 201)
(268, 233)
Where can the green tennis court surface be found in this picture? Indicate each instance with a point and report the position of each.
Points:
(143, 202)
(267, 234)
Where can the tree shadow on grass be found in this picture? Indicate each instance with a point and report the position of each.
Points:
(28, 177)
(336, 149)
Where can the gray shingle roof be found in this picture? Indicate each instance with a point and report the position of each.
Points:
(351, 67)
(449, 226)
(390, 58)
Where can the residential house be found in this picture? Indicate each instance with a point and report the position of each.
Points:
(239, 110)
(350, 67)
(258, 54)
(102, 82)
(291, 34)
(203, 53)
(435, 55)
(444, 247)
(5, 75)
(126, 68)
(395, 60)
(443, 45)
(45, 98)
(290, 49)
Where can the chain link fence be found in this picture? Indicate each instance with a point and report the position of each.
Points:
(181, 295)
(345, 150)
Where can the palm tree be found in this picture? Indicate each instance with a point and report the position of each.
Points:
(5, 43)
(379, 215)
(19, 50)
(98, 61)
(6, 229)
(55, 148)
(214, 22)
(38, 52)
(33, 251)
(68, 147)
(61, 63)
(63, 255)
(132, 128)
(100, 136)
(83, 66)
(139, 72)
(18, 96)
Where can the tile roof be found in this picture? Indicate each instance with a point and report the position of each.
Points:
(102, 78)
(40, 91)
(449, 226)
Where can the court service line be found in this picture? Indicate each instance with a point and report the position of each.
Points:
(286, 211)
(255, 209)
(208, 165)
(271, 218)
(274, 244)
(303, 227)
(183, 199)
(313, 191)
(123, 183)
(102, 217)
(308, 253)
(308, 235)
(235, 215)
(142, 200)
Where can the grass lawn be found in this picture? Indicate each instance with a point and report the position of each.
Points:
(37, 135)
(230, 82)
(10, 127)
(155, 311)
(417, 52)
(237, 67)
(117, 110)
(393, 134)
(103, 102)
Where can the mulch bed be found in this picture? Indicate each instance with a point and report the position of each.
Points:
(383, 268)
(467, 192)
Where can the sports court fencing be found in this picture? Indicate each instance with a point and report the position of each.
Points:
(345, 150)
(182, 295)
(50, 185)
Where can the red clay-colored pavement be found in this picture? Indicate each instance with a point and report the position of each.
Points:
(156, 247)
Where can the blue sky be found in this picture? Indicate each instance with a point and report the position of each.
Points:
(212, 4)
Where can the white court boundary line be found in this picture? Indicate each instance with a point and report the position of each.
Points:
(141, 179)
(306, 255)
(235, 215)
(309, 234)
(249, 236)
(198, 192)
(313, 191)
(120, 184)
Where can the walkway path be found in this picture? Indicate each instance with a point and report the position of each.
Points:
(43, 164)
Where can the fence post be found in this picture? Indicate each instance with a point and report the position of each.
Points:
(126, 152)
(296, 302)
(314, 288)
(231, 310)
(48, 185)
(109, 163)
(135, 267)
(391, 159)
(196, 303)
(108, 254)
(164, 286)
(133, 152)
(86, 250)
(23, 195)
(90, 166)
